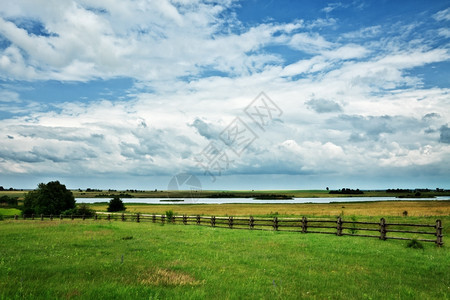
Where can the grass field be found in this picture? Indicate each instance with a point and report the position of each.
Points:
(125, 260)
(374, 209)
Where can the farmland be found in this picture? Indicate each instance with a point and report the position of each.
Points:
(99, 259)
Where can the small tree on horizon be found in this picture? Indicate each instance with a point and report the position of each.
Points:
(115, 204)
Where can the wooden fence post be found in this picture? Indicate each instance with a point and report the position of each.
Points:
(304, 225)
(108, 217)
(16, 217)
(382, 229)
(24, 216)
(42, 217)
(95, 217)
(184, 219)
(163, 218)
(213, 221)
(51, 217)
(339, 226)
(60, 217)
(32, 216)
(251, 222)
(439, 241)
(153, 218)
(84, 217)
(275, 224)
(71, 216)
(198, 219)
(123, 217)
(138, 218)
(230, 222)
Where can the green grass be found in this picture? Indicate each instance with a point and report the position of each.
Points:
(124, 260)
(10, 211)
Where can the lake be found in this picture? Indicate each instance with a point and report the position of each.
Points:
(251, 200)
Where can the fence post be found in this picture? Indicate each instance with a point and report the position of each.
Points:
(213, 221)
(60, 217)
(153, 218)
(42, 217)
(184, 219)
(163, 218)
(230, 222)
(24, 216)
(198, 219)
(252, 222)
(439, 241)
(304, 225)
(339, 226)
(32, 216)
(51, 217)
(84, 217)
(275, 224)
(123, 217)
(95, 217)
(138, 218)
(382, 229)
(16, 217)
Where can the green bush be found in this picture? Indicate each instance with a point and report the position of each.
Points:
(115, 204)
(169, 215)
(82, 209)
(415, 244)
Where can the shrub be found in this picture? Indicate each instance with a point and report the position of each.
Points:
(82, 209)
(169, 215)
(415, 244)
(115, 204)
(353, 230)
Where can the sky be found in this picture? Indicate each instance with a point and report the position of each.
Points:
(237, 94)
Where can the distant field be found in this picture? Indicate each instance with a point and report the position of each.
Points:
(249, 194)
(230, 194)
(382, 209)
(127, 260)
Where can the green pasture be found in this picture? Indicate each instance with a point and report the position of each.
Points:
(125, 260)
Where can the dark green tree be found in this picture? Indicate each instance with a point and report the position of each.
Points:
(115, 204)
(51, 198)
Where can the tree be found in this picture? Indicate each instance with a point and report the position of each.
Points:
(51, 198)
(115, 204)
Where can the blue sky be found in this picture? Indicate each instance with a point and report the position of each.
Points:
(127, 94)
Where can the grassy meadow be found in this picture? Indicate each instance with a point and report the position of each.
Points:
(366, 209)
(125, 260)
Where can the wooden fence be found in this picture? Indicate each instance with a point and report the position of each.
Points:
(381, 230)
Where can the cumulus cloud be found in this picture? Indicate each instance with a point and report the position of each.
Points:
(351, 101)
(323, 105)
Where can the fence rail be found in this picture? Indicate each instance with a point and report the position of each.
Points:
(381, 230)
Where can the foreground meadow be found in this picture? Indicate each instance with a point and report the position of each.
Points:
(124, 260)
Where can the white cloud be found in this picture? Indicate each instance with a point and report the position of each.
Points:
(351, 103)
(443, 15)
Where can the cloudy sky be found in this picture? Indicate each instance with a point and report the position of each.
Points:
(127, 94)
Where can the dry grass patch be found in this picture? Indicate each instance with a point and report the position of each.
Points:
(167, 277)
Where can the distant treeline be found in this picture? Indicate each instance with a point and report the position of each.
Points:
(8, 201)
(347, 191)
(415, 190)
